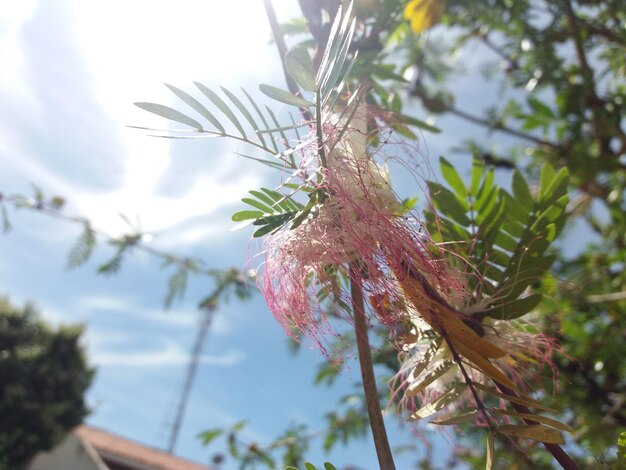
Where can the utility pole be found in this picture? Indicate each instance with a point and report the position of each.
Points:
(196, 352)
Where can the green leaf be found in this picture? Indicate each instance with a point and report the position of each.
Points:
(556, 188)
(452, 177)
(407, 205)
(492, 272)
(621, 448)
(521, 191)
(264, 198)
(455, 232)
(277, 165)
(208, 436)
(271, 223)
(418, 123)
(262, 117)
(239, 425)
(478, 168)
(516, 308)
(222, 106)
(82, 250)
(505, 241)
(335, 54)
(546, 178)
(240, 216)
(169, 113)
(490, 219)
(339, 80)
(284, 202)
(313, 198)
(448, 203)
(514, 209)
(498, 257)
(199, 107)
(327, 372)
(284, 96)
(177, 285)
(540, 108)
(274, 219)
(329, 466)
(233, 446)
(539, 263)
(514, 228)
(258, 205)
(309, 466)
(300, 66)
(278, 127)
(486, 190)
(244, 111)
(335, 39)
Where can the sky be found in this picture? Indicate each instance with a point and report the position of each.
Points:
(71, 71)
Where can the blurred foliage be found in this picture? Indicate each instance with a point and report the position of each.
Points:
(226, 281)
(44, 377)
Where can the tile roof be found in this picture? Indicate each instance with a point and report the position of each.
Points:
(110, 445)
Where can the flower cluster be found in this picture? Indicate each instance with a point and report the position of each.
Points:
(357, 221)
(414, 293)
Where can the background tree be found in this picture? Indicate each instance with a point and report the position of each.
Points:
(44, 378)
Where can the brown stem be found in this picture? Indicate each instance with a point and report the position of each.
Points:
(377, 424)
(469, 382)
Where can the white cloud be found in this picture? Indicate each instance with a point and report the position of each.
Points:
(153, 42)
(125, 306)
(224, 321)
(167, 354)
(14, 16)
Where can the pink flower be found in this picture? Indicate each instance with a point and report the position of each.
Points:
(358, 221)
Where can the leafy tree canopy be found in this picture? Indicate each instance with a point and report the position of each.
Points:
(44, 377)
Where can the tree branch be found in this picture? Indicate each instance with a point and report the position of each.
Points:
(500, 127)
(377, 424)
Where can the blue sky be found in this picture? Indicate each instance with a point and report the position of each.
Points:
(71, 71)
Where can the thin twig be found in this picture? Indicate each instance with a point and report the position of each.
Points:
(500, 127)
(377, 424)
(282, 50)
(608, 297)
(511, 60)
(466, 377)
(24, 202)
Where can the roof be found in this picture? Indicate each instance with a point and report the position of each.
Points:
(132, 455)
